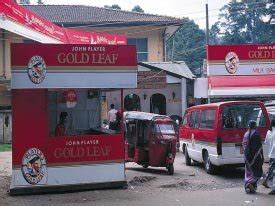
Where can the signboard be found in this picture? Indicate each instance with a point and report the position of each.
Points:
(231, 60)
(18, 14)
(151, 79)
(73, 66)
(84, 37)
(19, 20)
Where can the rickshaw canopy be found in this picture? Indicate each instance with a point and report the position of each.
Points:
(142, 116)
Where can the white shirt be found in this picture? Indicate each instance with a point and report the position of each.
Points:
(270, 141)
(112, 115)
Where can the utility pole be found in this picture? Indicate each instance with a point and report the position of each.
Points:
(207, 23)
(207, 38)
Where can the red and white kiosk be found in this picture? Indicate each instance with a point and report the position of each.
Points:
(48, 81)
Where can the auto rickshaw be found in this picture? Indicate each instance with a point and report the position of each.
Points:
(150, 140)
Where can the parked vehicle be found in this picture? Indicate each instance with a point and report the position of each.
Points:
(176, 122)
(150, 140)
(270, 107)
(213, 133)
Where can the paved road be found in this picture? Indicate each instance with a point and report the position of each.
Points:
(152, 186)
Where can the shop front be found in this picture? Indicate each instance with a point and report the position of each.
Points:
(57, 93)
(237, 72)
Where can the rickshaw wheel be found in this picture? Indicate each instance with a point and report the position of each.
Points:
(170, 169)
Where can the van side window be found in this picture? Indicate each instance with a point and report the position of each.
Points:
(194, 119)
(207, 119)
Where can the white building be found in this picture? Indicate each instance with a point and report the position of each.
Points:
(173, 99)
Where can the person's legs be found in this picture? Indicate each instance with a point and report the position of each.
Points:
(268, 175)
(249, 180)
(273, 181)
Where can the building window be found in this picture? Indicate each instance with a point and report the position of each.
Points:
(142, 48)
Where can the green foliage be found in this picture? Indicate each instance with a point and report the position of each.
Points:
(114, 6)
(5, 147)
(244, 22)
(40, 2)
(137, 8)
(189, 45)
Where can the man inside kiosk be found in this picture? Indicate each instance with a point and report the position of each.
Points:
(60, 129)
(83, 118)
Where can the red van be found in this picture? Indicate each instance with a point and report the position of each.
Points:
(212, 133)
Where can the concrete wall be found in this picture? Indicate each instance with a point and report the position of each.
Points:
(5, 130)
(6, 38)
(173, 106)
(154, 35)
(201, 88)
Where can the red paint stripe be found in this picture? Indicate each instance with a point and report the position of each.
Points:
(242, 81)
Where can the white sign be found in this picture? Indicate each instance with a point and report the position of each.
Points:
(248, 68)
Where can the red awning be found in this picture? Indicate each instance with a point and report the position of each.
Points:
(19, 20)
(242, 81)
(221, 86)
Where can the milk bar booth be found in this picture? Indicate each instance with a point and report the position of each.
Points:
(57, 97)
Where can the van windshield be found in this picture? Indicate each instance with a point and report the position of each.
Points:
(238, 116)
(271, 112)
(164, 128)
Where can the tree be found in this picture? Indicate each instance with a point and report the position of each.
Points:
(114, 6)
(40, 2)
(137, 8)
(214, 33)
(188, 45)
(244, 22)
(24, 1)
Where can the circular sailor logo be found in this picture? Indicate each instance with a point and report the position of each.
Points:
(34, 166)
(232, 62)
(37, 69)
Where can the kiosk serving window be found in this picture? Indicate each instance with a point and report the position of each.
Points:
(73, 112)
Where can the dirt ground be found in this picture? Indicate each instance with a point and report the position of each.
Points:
(151, 186)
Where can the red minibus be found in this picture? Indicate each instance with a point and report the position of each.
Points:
(212, 133)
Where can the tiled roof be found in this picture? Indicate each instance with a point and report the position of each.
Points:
(77, 14)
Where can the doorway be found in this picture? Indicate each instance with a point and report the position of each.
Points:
(158, 104)
(132, 102)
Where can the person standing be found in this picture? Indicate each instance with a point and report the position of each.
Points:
(253, 157)
(270, 141)
(112, 117)
(60, 129)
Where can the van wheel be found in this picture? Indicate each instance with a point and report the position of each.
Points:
(145, 166)
(209, 167)
(187, 158)
(170, 169)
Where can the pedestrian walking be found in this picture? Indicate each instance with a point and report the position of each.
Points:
(270, 141)
(112, 117)
(253, 156)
